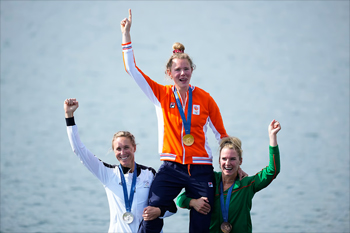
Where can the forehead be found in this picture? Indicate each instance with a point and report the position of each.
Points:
(122, 141)
(177, 62)
(228, 153)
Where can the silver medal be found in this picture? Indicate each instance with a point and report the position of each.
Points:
(128, 217)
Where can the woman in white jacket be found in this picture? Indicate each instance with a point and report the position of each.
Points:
(127, 185)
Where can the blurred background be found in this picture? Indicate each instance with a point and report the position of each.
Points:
(260, 60)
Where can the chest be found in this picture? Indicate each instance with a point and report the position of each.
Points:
(143, 183)
(199, 110)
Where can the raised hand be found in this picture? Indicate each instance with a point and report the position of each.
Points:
(70, 105)
(274, 128)
(125, 24)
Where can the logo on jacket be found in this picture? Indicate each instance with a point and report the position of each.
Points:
(146, 184)
(196, 109)
(210, 184)
(172, 105)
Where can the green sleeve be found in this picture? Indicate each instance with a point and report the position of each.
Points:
(183, 201)
(269, 173)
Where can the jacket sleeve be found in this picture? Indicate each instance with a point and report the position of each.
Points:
(92, 163)
(151, 88)
(183, 201)
(263, 178)
(215, 120)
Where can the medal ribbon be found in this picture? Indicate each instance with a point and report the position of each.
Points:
(128, 201)
(186, 123)
(225, 205)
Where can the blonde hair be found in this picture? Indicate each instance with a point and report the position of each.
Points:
(125, 134)
(231, 143)
(178, 53)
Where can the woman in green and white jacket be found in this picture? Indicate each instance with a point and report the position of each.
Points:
(234, 216)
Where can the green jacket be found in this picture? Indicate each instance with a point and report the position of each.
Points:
(241, 197)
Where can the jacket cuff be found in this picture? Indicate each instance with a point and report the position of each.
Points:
(274, 149)
(127, 46)
(70, 121)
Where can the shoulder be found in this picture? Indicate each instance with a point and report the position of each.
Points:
(107, 164)
(199, 90)
(201, 94)
(217, 176)
(142, 168)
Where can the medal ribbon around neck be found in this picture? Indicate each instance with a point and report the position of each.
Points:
(225, 205)
(128, 201)
(186, 123)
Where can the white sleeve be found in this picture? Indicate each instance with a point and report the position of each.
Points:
(147, 85)
(93, 164)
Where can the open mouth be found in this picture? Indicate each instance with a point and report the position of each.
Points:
(228, 168)
(124, 158)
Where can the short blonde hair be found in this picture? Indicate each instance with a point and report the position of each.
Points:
(231, 143)
(125, 134)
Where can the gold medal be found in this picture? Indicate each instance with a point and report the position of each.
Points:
(188, 140)
(226, 227)
(128, 217)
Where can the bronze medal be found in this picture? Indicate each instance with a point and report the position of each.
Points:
(226, 227)
(128, 217)
(188, 140)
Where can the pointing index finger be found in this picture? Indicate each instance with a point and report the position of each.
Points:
(130, 15)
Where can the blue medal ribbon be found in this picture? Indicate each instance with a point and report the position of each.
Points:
(225, 205)
(186, 123)
(128, 201)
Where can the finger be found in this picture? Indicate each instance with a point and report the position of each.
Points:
(130, 15)
(272, 122)
(276, 124)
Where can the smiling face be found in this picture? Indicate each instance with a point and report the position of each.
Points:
(229, 161)
(124, 151)
(181, 72)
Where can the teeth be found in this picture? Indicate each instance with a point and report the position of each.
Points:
(228, 168)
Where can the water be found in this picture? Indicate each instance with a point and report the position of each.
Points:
(260, 60)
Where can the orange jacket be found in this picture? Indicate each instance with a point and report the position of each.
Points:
(205, 113)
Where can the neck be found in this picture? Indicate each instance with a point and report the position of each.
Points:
(228, 180)
(128, 169)
(132, 168)
(183, 93)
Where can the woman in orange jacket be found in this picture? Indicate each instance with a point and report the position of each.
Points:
(184, 114)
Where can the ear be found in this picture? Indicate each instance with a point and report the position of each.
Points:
(169, 73)
(240, 161)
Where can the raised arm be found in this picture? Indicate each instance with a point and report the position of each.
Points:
(263, 178)
(92, 163)
(125, 26)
